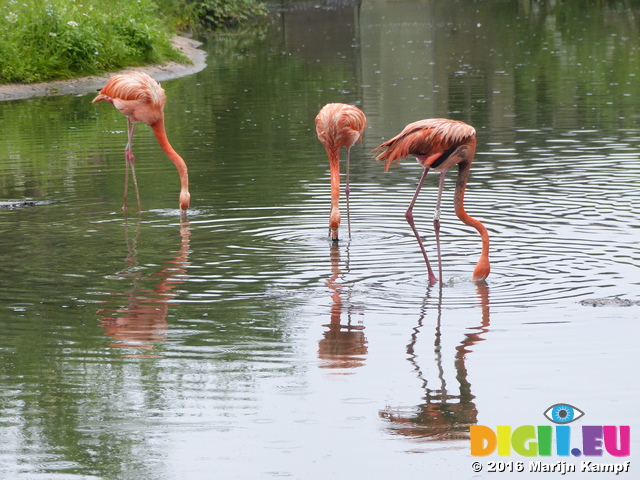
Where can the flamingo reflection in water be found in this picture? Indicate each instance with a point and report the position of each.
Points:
(443, 415)
(140, 323)
(342, 345)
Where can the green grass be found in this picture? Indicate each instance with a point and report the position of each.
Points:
(44, 40)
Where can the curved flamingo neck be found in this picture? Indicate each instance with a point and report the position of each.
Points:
(161, 136)
(334, 165)
(483, 267)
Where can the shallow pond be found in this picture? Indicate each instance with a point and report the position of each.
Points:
(239, 342)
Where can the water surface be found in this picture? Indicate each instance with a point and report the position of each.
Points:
(240, 338)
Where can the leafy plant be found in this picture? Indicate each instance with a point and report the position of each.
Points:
(57, 39)
(44, 40)
(227, 13)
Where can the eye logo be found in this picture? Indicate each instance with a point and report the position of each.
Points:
(563, 413)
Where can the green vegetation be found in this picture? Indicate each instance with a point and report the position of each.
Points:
(208, 15)
(44, 40)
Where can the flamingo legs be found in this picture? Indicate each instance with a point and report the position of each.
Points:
(128, 153)
(409, 216)
(436, 224)
(347, 190)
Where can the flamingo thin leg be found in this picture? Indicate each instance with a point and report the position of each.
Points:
(135, 183)
(128, 153)
(126, 184)
(409, 216)
(347, 190)
(436, 224)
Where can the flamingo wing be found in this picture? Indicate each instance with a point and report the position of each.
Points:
(424, 137)
(136, 95)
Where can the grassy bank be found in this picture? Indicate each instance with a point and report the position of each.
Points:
(43, 40)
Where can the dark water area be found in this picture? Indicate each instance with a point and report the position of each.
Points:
(239, 340)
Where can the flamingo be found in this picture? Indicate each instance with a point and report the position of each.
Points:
(141, 99)
(439, 144)
(339, 125)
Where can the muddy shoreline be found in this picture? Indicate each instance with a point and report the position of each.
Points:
(92, 83)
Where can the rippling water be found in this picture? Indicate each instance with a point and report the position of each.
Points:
(240, 338)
